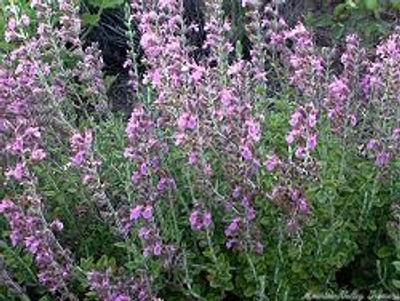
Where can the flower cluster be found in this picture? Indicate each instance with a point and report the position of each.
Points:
(144, 150)
(30, 230)
(205, 106)
(200, 219)
(288, 193)
(110, 287)
(382, 83)
(148, 233)
(240, 233)
(303, 130)
(306, 64)
(101, 283)
(80, 146)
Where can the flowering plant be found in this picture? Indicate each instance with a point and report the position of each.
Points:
(259, 178)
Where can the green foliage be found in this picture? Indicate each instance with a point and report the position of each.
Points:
(370, 19)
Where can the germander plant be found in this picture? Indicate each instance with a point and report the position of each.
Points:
(259, 179)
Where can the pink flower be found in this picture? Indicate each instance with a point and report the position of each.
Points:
(191, 122)
(135, 177)
(38, 154)
(187, 121)
(25, 20)
(182, 121)
(235, 68)
(272, 162)
(226, 97)
(312, 141)
(78, 158)
(156, 78)
(193, 158)
(17, 172)
(197, 73)
(166, 4)
(291, 136)
(300, 152)
(253, 129)
(295, 118)
(179, 138)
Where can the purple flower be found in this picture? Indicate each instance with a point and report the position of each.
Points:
(32, 244)
(157, 249)
(295, 118)
(78, 158)
(162, 184)
(136, 212)
(372, 143)
(57, 225)
(259, 248)
(122, 297)
(143, 169)
(303, 206)
(144, 232)
(147, 212)
(382, 159)
(207, 219)
(194, 220)
(135, 177)
(246, 152)
(272, 162)
(233, 226)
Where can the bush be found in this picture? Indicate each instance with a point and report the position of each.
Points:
(270, 178)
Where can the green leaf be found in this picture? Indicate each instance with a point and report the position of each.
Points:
(297, 268)
(324, 21)
(112, 3)
(371, 4)
(90, 19)
(384, 252)
(396, 283)
(250, 291)
(396, 265)
(352, 4)
(105, 3)
(395, 4)
(340, 9)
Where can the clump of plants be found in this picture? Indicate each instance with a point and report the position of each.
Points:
(259, 177)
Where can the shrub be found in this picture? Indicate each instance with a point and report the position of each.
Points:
(258, 179)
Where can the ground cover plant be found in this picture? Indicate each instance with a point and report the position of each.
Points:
(250, 164)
